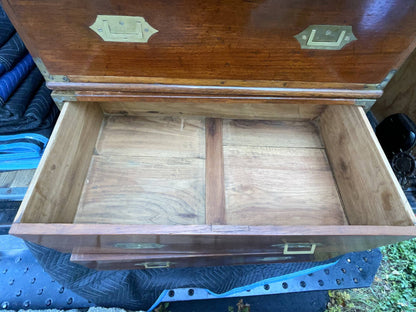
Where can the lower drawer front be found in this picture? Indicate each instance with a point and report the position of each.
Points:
(157, 261)
(111, 184)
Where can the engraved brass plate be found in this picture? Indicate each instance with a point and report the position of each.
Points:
(117, 28)
(325, 37)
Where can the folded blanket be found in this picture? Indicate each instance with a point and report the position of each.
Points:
(16, 105)
(18, 148)
(11, 80)
(40, 114)
(21, 151)
(11, 52)
(6, 28)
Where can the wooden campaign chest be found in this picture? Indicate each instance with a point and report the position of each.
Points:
(208, 133)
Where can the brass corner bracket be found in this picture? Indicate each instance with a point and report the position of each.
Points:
(60, 97)
(365, 103)
(48, 77)
(386, 80)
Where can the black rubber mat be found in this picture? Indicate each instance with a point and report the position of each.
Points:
(25, 285)
(352, 270)
(311, 301)
(139, 289)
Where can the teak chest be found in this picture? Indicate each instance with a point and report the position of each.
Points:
(206, 133)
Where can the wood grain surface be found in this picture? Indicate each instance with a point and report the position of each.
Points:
(219, 108)
(276, 173)
(368, 92)
(143, 190)
(55, 189)
(102, 238)
(369, 189)
(214, 173)
(302, 134)
(16, 178)
(146, 171)
(199, 99)
(153, 137)
(219, 40)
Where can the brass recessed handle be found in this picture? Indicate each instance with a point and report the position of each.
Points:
(155, 265)
(118, 28)
(290, 249)
(325, 37)
(138, 245)
(270, 259)
(128, 36)
(337, 43)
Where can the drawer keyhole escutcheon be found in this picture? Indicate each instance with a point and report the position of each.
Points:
(117, 28)
(325, 37)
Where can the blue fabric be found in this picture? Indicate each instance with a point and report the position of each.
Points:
(25, 104)
(18, 147)
(35, 137)
(12, 52)
(39, 116)
(40, 105)
(19, 164)
(21, 151)
(16, 105)
(10, 80)
(6, 28)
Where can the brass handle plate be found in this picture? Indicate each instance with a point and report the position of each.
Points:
(155, 265)
(138, 245)
(325, 37)
(270, 259)
(290, 249)
(118, 28)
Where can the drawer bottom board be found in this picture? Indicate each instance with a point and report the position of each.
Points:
(156, 171)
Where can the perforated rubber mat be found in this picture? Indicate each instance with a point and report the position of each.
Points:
(25, 285)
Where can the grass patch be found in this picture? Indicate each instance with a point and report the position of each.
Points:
(394, 286)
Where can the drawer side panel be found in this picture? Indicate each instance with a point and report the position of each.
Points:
(55, 189)
(370, 192)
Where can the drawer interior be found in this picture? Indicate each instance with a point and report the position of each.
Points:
(177, 170)
(152, 171)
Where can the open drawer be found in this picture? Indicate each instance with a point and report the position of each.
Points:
(312, 183)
